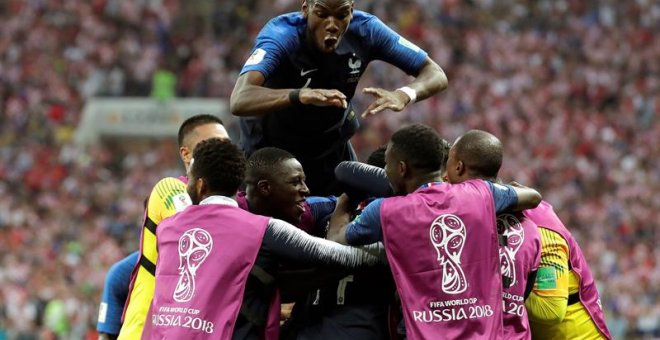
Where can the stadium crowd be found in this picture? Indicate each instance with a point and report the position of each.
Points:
(571, 88)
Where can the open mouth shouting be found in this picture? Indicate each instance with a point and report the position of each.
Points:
(330, 42)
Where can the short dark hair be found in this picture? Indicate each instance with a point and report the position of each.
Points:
(191, 123)
(220, 163)
(377, 158)
(262, 163)
(421, 147)
(311, 3)
(481, 152)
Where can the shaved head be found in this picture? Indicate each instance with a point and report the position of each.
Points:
(480, 152)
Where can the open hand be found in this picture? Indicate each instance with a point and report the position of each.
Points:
(393, 100)
(323, 97)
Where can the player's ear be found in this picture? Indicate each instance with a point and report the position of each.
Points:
(201, 187)
(403, 169)
(304, 8)
(263, 187)
(185, 154)
(460, 168)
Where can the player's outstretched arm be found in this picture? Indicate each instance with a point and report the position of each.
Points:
(528, 198)
(291, 243)
(251, 98)
(431, 80)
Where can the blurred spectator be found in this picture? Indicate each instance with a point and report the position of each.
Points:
(571, 88)
(163, 84)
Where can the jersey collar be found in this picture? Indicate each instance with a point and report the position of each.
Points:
(218, 199)
(428, 185)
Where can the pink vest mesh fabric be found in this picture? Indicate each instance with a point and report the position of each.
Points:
(544, 216)
(442, 248)
(518, 258)
(205, 255)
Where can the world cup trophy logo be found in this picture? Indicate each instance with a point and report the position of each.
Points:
(509, 226)
(448, 238)
(194, 247)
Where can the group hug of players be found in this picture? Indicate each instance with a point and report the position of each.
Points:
(437, 249)
(421, 244)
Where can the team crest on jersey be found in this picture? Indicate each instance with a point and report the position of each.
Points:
(256, 57)
(448, 238)
(354, 65)
(194, 247)
(514, 233)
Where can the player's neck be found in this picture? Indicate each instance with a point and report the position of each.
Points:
(470, 176)
(257, 206)
(418, 181)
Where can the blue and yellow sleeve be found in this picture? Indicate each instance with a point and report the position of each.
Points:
(167, 197)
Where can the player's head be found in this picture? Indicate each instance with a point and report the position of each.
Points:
(414, 153)
(196, 129)
(217, 168)
(476, 154)
(276, 184)
(377, 158)
(327, 21)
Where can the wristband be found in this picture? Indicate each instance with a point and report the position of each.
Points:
(410, 92)
(294, 97)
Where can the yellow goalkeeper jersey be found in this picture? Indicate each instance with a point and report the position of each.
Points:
(167, 197)
(553, 310)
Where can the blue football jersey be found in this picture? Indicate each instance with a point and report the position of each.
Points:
(115, 293)
(286, 60)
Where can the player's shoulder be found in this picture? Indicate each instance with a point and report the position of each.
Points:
(317, 200)
(284, 28)
(286, 21)
(476, 186)
(363, 22)
(362, 17)
(170, 193)
(170, 184)
(119, 273)
(549, 236)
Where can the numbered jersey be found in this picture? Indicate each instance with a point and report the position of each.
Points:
(354, 307)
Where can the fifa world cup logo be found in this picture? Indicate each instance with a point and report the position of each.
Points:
(194, 247)
(509, 226)
(448, 238)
